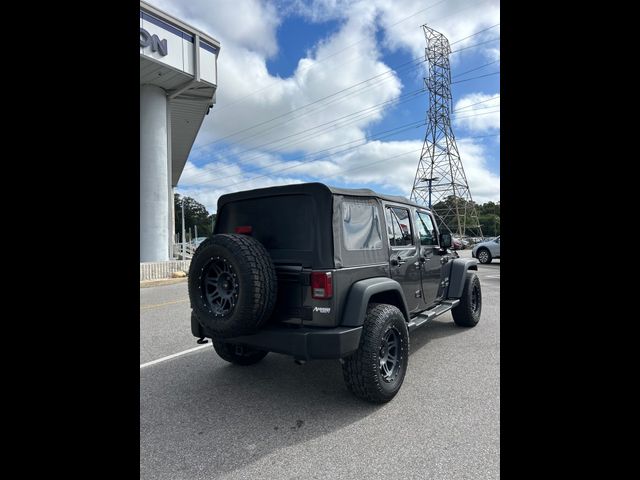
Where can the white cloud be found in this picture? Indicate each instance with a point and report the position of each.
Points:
(249, 94)
(242, 72)
(478, 112)
(390, 166)
(249, 24)
(492, 53)
(484, 185)
(206, 184)
(456, 19)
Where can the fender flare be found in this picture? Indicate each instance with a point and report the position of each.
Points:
(457, 274)
(361, 292)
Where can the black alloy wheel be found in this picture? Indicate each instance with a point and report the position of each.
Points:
(220, 286)
(390, 355)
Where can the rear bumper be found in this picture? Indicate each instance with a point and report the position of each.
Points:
(304, 343)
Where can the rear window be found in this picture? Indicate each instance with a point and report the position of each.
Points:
(361, 225)
(282, 222)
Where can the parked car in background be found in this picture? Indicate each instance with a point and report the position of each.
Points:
(459, 243)
(486, 251)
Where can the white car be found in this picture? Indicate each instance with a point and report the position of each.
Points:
(487, 251)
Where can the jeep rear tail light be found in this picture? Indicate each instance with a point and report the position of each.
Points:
(246, 229)
(321, 285)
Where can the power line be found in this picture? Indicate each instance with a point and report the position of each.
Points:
(219, 108)
(391, 70)
(454, 13)
(340, 118)
(322, 157)
(408, 97)
(473, 78)
(474, 34)
(376, 136)
(394, 131)
(477, 114)
(260, 154)
(476, 45)
(330, 56)
(308, 112)
(392, 25)
(343, 171)
(477, 103)
(395, 156)
(474, 69)
(361, 115)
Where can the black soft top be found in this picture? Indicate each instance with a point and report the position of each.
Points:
(301, 224)
(311, 188)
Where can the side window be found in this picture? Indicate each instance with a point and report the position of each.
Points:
(361, 225)
(399, 227)
(426, 230)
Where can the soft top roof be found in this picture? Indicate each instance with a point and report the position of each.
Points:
(311, 188)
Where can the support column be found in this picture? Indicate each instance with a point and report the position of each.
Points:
(154, 175)
(172, 220)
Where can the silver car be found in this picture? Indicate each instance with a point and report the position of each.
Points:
(487, 251)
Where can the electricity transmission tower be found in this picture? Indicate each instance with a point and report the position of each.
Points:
(440, 182)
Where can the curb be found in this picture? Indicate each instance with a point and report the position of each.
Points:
(164, 281)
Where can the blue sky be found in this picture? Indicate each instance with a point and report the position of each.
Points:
(305, 89)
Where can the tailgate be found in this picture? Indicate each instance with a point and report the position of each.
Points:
(292, 282)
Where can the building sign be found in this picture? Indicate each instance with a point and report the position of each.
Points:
(153, 41)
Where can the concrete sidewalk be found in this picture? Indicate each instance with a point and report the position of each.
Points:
(162, 281)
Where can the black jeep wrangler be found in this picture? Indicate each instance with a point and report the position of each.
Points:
(316, 272)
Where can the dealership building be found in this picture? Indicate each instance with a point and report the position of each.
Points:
(178, 82)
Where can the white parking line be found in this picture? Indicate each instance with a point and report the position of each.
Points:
(169, 357)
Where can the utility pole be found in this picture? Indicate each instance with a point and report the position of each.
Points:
(183, 235)
(430, 179)
(440, 162)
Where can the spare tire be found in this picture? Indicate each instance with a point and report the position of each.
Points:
(232, 285)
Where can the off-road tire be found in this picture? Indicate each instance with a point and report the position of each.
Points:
(482, 259)
(467, 312)
(237, 354)
(242, 266)
(362, 369)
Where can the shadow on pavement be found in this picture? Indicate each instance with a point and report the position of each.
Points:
(199, 414)
(441, 327)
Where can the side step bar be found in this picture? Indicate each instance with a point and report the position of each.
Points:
(424, 317)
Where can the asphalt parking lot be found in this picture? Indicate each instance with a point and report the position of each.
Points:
(202, 418)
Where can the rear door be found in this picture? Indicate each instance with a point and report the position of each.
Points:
(430, 259)
(403, 253)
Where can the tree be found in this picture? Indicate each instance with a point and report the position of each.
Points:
(195, 215)
(488, 214)
(490, 225)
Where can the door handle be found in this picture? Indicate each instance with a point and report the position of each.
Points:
(397, 261)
